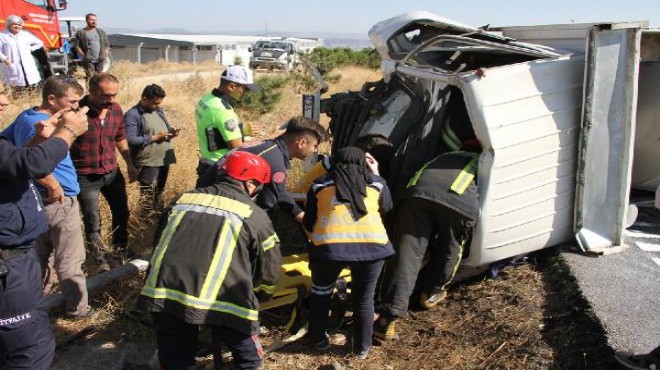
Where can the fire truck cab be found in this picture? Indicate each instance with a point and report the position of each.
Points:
(41, 19)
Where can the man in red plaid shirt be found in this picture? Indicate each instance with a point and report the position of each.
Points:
(94, 155)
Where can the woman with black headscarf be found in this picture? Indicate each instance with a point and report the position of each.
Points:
(344, 217)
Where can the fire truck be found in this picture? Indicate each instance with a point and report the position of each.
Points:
(42, 20)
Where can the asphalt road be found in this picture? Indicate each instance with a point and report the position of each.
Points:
(624, 288)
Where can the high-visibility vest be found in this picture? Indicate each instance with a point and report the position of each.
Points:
(335, 222)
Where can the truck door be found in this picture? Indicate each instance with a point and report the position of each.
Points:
(607, 135)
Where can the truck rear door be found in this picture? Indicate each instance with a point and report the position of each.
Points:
(607, 135)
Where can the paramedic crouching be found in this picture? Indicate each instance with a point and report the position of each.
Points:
(26, 341)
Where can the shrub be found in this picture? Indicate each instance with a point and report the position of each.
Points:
(265, 100)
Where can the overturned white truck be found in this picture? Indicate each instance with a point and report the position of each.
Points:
(568, 118)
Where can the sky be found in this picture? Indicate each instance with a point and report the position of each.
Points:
(349, 16)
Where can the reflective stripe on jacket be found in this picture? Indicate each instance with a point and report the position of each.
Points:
(448, 179)
(215, 253)
(335, 235)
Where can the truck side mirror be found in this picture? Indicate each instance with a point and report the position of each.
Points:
(249, 50)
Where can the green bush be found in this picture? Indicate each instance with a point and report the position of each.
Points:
(265, 100)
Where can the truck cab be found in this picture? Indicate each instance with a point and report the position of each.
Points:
(274, 54)
(41, 19)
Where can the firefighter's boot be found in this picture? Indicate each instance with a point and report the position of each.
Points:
(428, 301)
(384, 329)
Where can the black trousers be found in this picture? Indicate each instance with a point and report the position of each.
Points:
(422, 227)
(177, 344)
(152, 182)
(364, 275)
(26, 341)
(113, 188)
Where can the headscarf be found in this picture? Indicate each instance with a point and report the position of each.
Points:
(349, 170)
(13, 19)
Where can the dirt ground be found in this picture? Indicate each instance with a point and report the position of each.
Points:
(530, 316)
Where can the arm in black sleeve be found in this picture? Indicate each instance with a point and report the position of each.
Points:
(385, 200)
(268, 259)
(285, 200)
(30, 163)
(311, 208)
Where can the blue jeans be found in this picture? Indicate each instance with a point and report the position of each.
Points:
(364, 275)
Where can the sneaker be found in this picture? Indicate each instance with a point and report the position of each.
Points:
(102, 266)
(85, 314)
(384, 329)
(638, 362)
(427, 302)
(362, 354)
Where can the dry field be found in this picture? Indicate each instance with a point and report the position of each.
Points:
(530, 317)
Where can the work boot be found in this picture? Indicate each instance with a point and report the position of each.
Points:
(429, 301)
(96, 250)
(384, 329)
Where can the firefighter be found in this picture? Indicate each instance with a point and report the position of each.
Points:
(436, 216)
(300, 139)
(344, 216)
(26, 341)
(216, 256)
(218, 128)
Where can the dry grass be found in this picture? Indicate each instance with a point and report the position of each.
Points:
(531, 317)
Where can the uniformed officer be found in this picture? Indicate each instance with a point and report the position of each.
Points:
(218, 127)
(26, 341)
(216, 255)
(301, 138)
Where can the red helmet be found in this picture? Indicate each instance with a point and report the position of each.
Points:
(246, 166)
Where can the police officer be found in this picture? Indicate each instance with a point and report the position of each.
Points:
(26, 341)
(216, 255)
(218, 128)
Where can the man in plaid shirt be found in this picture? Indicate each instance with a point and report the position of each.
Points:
(94, 155)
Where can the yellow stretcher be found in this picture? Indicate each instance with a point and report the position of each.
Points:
(293, 287)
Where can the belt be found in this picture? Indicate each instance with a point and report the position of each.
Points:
(8, 254)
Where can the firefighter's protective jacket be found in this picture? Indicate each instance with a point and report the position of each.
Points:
(335, 235)
(449, 179)
(216, 252)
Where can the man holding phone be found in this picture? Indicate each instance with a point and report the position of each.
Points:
(149, 136)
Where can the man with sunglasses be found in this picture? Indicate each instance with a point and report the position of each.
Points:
(59, 189)
(218, 128)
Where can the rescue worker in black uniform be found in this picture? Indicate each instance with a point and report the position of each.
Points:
(26, 341)
(300, 139)
(216, 256)
(436, 215)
